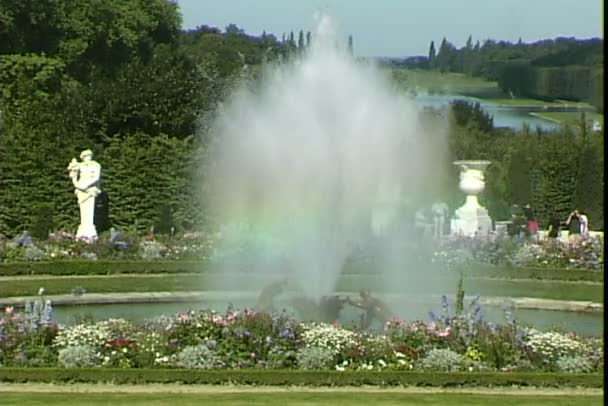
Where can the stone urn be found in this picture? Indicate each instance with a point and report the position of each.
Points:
(471, 219)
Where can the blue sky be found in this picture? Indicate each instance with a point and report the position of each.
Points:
(406, 27)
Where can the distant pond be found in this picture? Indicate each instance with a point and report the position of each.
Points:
(512, 117)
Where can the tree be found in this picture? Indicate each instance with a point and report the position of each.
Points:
(233, 29)
(301, 40)
(97, 34)
(589, 191)
(307, 38)
(469, 44)
(350, 45)
(445, 56)
(432, 55)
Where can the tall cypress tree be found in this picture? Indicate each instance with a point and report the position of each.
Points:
(301, 40)
(350, 45)
(432, 55)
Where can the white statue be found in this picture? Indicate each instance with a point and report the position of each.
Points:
(85, 177)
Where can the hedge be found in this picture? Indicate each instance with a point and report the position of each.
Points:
(300, 378)
(363, 267)
(77, 267)
(535, 273)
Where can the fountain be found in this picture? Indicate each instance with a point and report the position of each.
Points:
(471, 219)
(312, 162)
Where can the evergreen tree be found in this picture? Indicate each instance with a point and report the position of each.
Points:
(445, 56)
(308, 39)
(432, 55)
(589, 191)
(291, 39)
(469, 44)
(301, 40)
(350, 45)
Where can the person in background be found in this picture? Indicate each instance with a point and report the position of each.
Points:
(574, 225)
(584, 223)
(532, 223)
(554, 226)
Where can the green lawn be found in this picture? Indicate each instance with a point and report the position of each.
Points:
(459, 83)
(61, 285)
(292, 398)
(443, 82)
(572, 118)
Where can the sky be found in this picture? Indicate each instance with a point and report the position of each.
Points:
(399, 28)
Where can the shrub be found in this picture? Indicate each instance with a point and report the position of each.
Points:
(548, 347)
(575, 364)
(95, 335)
(442, 360)
(197, 357)
(314, 358)
(77, 356)
(328, 336)
(151, 250)
(33, 254)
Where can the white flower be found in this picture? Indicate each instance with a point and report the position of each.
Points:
(40, 291)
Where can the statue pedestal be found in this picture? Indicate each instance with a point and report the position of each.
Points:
(87, 229)
(471, 219)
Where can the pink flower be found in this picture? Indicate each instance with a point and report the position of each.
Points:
(431, 326)
(445, 332)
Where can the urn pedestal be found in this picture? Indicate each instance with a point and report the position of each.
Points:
(471, 219)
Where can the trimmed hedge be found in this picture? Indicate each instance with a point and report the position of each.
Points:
(362, 267)
(535, 273)
(300, 378)
(100, 267)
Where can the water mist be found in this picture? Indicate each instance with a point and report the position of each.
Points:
(306, 166)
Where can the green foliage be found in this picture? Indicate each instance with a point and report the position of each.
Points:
(442, 360)
(77, 356)
(197, 357)
(574, 364)
(315, 358)
(102, 267)
(144, 175)
(303, 378)
(589, 188)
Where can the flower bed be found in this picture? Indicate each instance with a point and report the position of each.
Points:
(583, 253)
(460, 341)
(63, 246)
